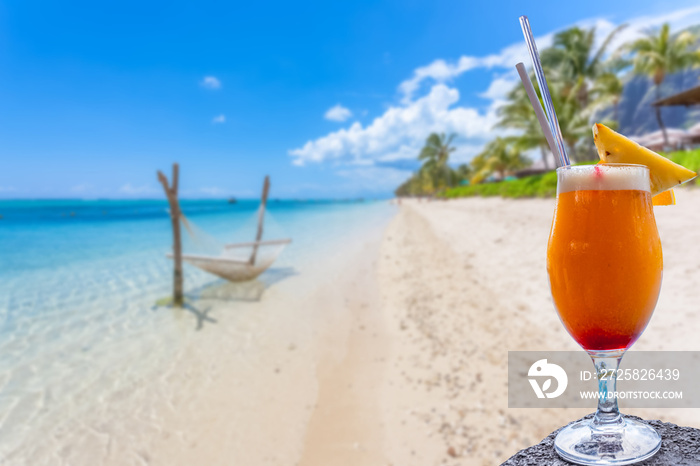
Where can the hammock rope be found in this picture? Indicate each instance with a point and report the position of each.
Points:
(236, 261)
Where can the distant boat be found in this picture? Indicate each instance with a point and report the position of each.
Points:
(232, 200)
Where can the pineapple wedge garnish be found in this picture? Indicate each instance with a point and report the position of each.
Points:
(616, 148)
(664, 198)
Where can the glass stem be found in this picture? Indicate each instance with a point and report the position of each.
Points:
(607, 417)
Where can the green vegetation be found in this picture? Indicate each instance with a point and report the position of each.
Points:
(530, 186)
(585, 83)
(499, 156)
(546, 185)
(690, 160)
(435, 175)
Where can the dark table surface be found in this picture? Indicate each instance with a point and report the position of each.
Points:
(680, 446)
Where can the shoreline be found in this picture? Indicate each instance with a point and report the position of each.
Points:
(230, 378)
(451, 312)
(390, 348)
(343, 429)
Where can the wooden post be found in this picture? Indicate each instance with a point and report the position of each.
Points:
(657, 109)
(171, 193)
(261, 219)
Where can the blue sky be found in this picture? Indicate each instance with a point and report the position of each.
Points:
(332, 99)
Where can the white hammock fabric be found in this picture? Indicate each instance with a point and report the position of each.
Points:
(236, 262)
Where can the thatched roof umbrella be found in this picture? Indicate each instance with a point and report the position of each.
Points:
(694, 134)
(655, 141)
(687, 98)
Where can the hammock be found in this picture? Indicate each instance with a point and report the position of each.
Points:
(236, 262)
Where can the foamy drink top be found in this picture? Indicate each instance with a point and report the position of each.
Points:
(603, 177)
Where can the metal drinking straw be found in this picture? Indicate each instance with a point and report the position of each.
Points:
(544, 89)
(537, 107)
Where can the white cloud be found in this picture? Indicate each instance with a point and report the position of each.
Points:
(439, 71)
(337, 113)
(405, 151)
(219, 119)
(443, 71)
(465, 152)
(399, 132)
(637, 27)
(500, 87)
(128, 188)
(428, 102)
(211, 82)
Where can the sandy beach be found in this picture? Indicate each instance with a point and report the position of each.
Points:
(316, 234)
(390, 351)
(231, 378)
(461, 283)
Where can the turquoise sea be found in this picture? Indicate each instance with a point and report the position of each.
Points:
(79, 281)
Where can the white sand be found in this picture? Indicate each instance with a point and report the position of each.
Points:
(392, 353)
(464, 282)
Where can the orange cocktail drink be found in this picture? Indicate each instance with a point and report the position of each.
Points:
(604, 256)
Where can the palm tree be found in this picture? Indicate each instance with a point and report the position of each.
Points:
(405, 188)
(479, 168)
(658, 55)
(500, 156)
(607, 88)
(573, 118)
(573, 56)
(435, 173)
(579, 80)
(463, 172)
(425, 180)
(435, 155)
(518, 114)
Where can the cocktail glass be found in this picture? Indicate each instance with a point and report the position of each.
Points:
(605, 265)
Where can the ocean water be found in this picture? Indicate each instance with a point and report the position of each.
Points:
(79, 281)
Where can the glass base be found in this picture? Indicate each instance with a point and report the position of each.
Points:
(579, 444)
